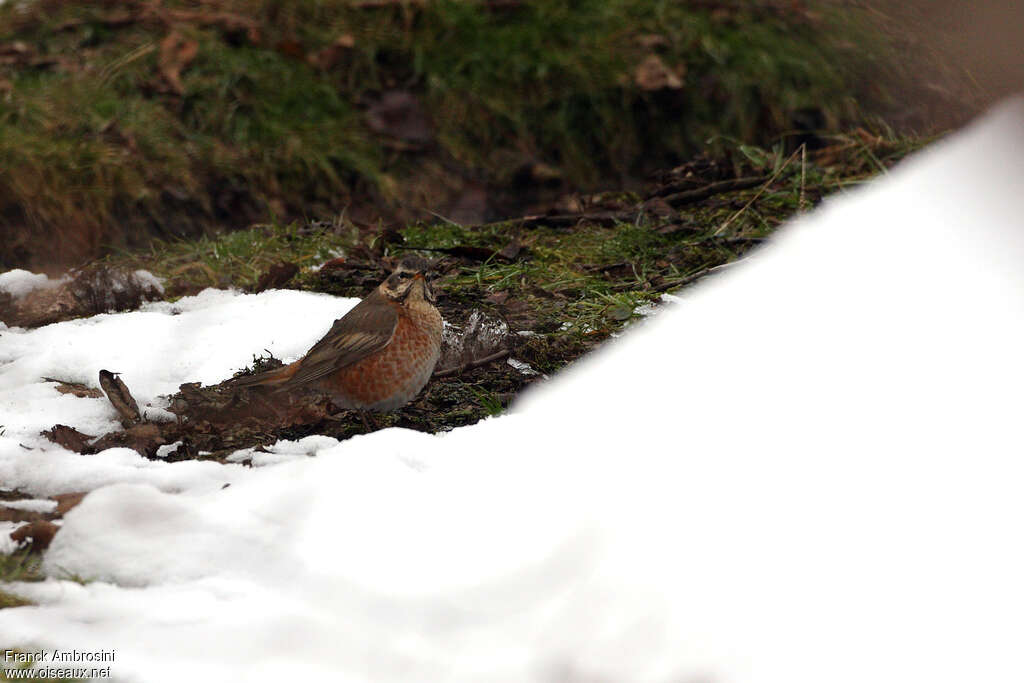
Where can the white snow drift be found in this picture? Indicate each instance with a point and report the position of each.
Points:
(808, 471)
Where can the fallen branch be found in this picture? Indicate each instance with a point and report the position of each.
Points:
(448, 372)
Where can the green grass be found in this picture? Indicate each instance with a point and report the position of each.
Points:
(20, 565)
(235, 259)
(99, 155)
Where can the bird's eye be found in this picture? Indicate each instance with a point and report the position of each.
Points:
(404, 275)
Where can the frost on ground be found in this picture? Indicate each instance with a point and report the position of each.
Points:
(808, 469)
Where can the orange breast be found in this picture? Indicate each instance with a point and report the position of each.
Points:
(391, 377)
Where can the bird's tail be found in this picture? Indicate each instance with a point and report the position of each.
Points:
(274, 378)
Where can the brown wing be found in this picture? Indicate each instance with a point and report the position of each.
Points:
(364, 330)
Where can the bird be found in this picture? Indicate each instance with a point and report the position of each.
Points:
(379, 355)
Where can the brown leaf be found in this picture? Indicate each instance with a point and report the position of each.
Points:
(176, 53)
(652, 74)
(37, 534)
(398, 114)
(335, 264)
(498, 297)
(276, 276)
(75, 389)
(69, 437)
(511, 250)
(658, 207)
(334, 54)
(66, 501)
(18, 515)
(144, 438)
(120, 397)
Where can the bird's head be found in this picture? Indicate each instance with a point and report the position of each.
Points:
(409, 281)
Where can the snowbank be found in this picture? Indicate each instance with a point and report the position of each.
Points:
(806, 470)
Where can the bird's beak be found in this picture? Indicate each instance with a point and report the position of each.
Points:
(428, 291)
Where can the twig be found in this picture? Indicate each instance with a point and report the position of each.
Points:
(676, 199)
(565, 220)
(753, 199)
(689, 279)
(448, 372)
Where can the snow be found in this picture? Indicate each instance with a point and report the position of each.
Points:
(20, 282)
(30, 504)
(521, 366)
(805, 469)
(146, 280)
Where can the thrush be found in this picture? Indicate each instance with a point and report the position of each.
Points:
(379, 355)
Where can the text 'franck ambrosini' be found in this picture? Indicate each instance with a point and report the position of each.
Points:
(53, 656)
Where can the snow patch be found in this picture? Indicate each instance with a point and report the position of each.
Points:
(522, 367)
(20, 282)
(30, 504)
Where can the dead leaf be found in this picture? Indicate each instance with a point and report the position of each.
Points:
(66, 501)
(276, 276)
(652, 74)
(69, 437)
(18, 515)
(119, 396)
(498, 297)
(176, 53)
(658, 207)
(75, 389)
(334, 54)
(511, 250)
(144, 439)
(37, 534)
(398, 114)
